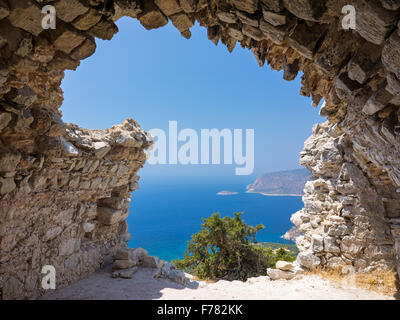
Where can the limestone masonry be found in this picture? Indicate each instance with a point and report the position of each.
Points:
(64, 190)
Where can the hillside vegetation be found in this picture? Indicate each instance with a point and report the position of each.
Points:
(226, 248)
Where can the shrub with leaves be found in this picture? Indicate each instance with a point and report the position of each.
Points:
(225, 248)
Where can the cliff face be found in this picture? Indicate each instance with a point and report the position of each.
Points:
(64, 190)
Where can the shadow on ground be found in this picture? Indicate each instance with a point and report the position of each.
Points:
(101, 286)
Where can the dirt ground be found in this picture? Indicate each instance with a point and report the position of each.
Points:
(101, 285)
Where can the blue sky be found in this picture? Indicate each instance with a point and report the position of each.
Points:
(157, 76)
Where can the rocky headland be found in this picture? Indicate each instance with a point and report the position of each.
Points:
(282, 183)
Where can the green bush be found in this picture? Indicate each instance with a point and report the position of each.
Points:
(225, 248)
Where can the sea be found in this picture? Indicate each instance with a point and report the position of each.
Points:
(165, 213)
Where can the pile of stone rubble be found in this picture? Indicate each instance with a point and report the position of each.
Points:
(127, 262)
(285, 270)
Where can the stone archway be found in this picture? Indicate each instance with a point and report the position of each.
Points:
(64, 190)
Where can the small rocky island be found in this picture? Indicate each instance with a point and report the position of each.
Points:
(227, 193)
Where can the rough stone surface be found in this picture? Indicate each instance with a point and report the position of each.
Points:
(127, 261)
(276, 274)
(54, 177)
(284, 266)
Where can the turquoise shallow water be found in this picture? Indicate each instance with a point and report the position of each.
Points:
(165, 214)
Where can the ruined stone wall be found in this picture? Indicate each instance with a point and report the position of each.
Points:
(64, 191)
(66, 205)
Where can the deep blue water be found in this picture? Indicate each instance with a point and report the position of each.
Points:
(164, 213)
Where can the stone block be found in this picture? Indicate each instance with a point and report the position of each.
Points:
(87, 227)
(4, 9)
(85, 50)
(140, 253)
(235, 33)
(188, 6)
(9, 161)
(124, 254)
(361, 67)
(168, 7)
(351, 245)
(284, 266)
(169, 271)
(335, 262)
(334, 51)
(69, 10)
(27, 15)
(23, 96)
(345, 84)
(5, 119)
(112, 202)
(227, 17)
(152, 17)
(276, 274)
(249, 6)
(275, 19)
(393, 84)
(12, 288)
(51, 233)
(104, 30)
(213, 34)
(377, 102)
(68, 246)
(100, 149)
(124, 264)
(66, 38)
(109, 216)
(277, 35)
(182, 21)
(291, 70)
(7, 185)
(87, 20)
(391, 54)
(330, 245)
(317, 243)
(390, 4)
(308, 260)
(272, 5)
(25, 47)
(62, 61)
(126, 9)
(248, 19)
(374, 23)
(306, 9)
(338, 230)
(125, 274)
(9, 35)
(305, 39)
(252, 32)
(152, 262)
